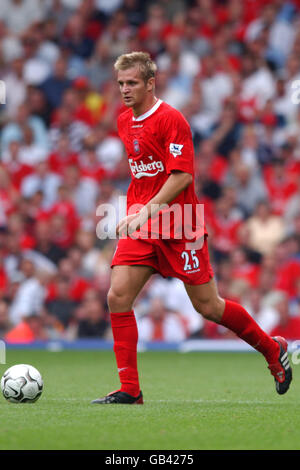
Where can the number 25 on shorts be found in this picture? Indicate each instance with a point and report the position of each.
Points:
(191, 260)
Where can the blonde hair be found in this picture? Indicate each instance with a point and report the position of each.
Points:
(142, 59)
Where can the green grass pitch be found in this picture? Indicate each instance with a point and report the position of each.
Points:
(192, 401)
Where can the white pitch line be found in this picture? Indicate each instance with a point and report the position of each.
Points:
(178, 402)
(203, 401)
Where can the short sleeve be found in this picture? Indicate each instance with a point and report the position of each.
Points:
(178, 143)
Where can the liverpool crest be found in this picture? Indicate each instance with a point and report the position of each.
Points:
(136, 146)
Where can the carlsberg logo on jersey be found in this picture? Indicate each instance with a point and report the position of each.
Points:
(140, 168)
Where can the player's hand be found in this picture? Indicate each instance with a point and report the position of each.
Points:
(130, 224)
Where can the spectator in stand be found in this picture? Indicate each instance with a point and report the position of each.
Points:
(63, 156)
(30, 294)
(60, 230)
(153, 32)
(184, 66)
(14, 164)
(112, 106)
(291, 131)
(78, 285)
(59, 11)
(4, 282)
(36, 68)
(134, 11)
(62, 307)
(95, 263)
(287, 326)
(13, 256)
(216, 87)
(267, 281)
(82, 191)
(172, 294)
(90, 317)
(75, 35)
(88, 162)
(266, 316)
(280, 184)
(226, 131)
(9, 195)
(289, 268)
(107, 9)
(283, 105)
(31, 209)
(161, 324)
(265, 230)
(65, 207)
(224, 222)
(243, 268)
(99, 67)
(15, 86)
(65, 124)
(13, 130)
(31, 153)
(48, 50)
(44, 243)
(248, 184)
(92, 261)
(16, 225)
(193, 41)
(295, 301)
(211, 170)
(249, 147)
(42, 180)
(109, 148)
(117, 33)
(258, 82)
(38, 104)
(55, 85)
(5, 324)
(76, 66)
(19, 14)
(29, 329)
(76, 99)
(294, 230)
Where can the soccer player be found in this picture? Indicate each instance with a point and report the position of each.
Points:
(159, 146)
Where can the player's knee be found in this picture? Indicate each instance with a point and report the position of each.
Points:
(211, 310)
(118, 300)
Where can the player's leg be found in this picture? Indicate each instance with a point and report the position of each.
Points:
(206, 300)
(126, 283)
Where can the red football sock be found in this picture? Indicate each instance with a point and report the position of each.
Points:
(125, 335)
(238, 320)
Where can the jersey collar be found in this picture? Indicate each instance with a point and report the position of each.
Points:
(149, 112)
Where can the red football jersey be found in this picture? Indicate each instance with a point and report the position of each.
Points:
(157, 143)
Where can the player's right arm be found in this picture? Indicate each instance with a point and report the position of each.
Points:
(177, 143)
(177, 182)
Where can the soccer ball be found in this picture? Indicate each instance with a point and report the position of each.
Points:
(22, 384)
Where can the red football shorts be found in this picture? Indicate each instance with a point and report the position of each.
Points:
(169, 258)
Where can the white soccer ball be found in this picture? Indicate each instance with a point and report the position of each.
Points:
(22, 384)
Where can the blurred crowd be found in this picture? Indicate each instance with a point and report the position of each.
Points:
(231, 67)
